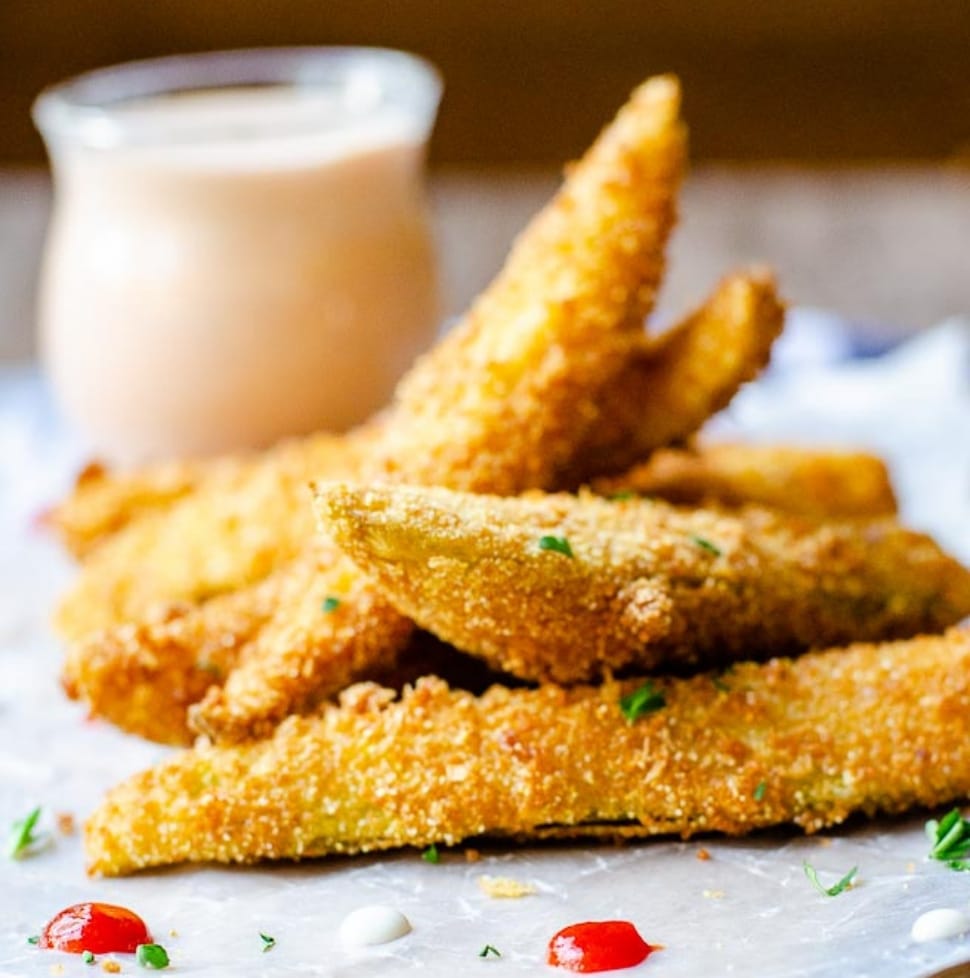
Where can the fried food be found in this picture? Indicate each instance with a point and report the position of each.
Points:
(566, 588)
(238, 526)
(801, 741)
(811, 482)
(679, 380)
(501, 403)
(103, 502)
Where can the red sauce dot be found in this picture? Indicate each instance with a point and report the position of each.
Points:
(598, 946)
(95, 927)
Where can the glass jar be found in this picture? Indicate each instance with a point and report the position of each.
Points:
(240, 247)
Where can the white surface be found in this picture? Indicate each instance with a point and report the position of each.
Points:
(747, 911)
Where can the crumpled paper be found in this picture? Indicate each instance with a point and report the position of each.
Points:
(747, 910)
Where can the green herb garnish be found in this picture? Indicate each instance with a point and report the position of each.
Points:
(152, 956)
(558, 544)
(87, 957)
(843, 884)
(622, 496)
(22, 836)
(706, 544)
(759, 792)
(646, 699)
(489, 949)
(431, 854)
(33, 939)
(720, 685)
(950, 838)
(268, 942)
(330, 604)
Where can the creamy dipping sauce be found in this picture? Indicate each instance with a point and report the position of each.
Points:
(940, 924)
(237, 265)
(374, 924)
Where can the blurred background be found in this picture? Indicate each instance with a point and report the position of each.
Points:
(831, 139)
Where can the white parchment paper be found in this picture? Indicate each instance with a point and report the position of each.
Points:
(748, 910)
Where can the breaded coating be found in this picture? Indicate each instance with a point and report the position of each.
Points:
(500, 403)
(103, 502)
(812, 482)
(567, 588)
(871, 728)
(679, 380)
(237, 527)
(550, 336)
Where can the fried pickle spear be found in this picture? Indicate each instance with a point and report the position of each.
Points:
(519, 380)
(566, 588)
(241, 524)
(762, 746)
(811, 482)
(103, 503)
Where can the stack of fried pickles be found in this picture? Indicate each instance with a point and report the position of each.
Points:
(525, 600)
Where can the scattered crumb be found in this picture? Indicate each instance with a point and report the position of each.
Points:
(824, 841)
(714, 894)
(472, 855)
(57, 969)
(910, 867)
(112, 967)
(504, 888)
(173, 933)
(703, 855)
(65, 823)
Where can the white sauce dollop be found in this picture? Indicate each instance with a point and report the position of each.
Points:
(937, 925)
(374, 924)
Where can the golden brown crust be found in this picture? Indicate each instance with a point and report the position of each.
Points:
(645, 584)
(547, 340)
(676, 382)
(103, 502)
(811, 482)
(803, 741)
(238, 526)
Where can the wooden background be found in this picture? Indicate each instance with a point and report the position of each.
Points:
(825, 80)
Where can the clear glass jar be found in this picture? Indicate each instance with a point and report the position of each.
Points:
(240, 247)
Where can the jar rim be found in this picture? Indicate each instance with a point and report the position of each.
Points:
(90, 109)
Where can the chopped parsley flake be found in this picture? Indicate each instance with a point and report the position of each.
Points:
(489, 950)
(705, 544)
(33, 939)
(646, 699)
(950, 839)
(759, 791)
(152, 956)
(330, 604)
(22, 836)
(622, 496)
(268, 942)
(843, 884)
(431, 854)
(558, 544)
(88, 958)
(720, 685)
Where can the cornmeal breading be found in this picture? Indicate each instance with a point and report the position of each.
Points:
(681, 379)
(808, 741)
(565, 588)
(813, 482)
(236, 528)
